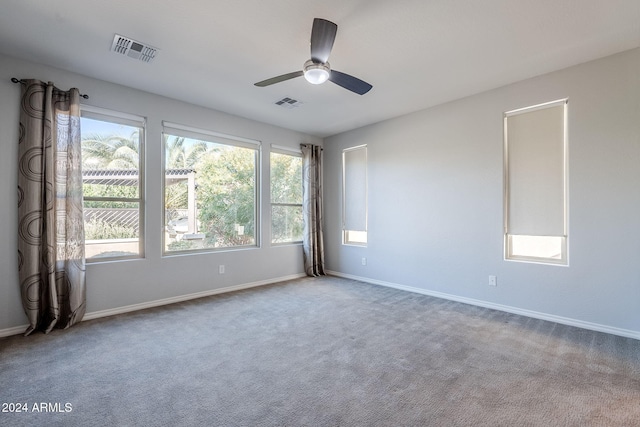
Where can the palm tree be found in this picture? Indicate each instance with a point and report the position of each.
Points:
(181, 155)
(103, 151)
(111, 152)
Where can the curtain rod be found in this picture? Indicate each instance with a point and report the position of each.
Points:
(13, 79)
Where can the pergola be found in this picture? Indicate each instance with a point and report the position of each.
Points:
(130, 177)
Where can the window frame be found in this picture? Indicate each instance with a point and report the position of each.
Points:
(362, 236)
(191, 132)
(287, 151)
(508, 237)
(133, 120)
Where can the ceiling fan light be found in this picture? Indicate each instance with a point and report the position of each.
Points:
(316, 73)
(316, 76)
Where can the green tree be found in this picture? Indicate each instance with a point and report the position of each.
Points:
(286, 191)
(226, 196)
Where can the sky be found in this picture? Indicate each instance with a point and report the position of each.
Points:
(91, 126)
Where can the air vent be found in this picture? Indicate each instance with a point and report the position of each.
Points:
(133, 49)
(288, 103)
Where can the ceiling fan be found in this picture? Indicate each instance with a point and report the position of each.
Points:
(317, 70)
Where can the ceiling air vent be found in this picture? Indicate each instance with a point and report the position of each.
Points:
(288, 103)
(133, 49)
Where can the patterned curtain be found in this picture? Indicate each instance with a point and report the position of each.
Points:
(312, 243)
(50, 219)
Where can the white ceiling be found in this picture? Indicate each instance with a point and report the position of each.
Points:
(415, 53)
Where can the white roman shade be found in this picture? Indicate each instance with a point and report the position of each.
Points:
(355, 188)
(207, 135)
(536, 175)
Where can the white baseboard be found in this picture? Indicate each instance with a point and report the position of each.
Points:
(16, 330)
(180, 298)
(509, 309)
(165, 301)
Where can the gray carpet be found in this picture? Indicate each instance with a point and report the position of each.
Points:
(321, 352)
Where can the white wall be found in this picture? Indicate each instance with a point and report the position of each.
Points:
(435, 200)
(117, 284)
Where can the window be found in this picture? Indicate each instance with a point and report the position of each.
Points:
(354, 196)
(210, 190)
(112, 176)
(286, 196)
(536, 183)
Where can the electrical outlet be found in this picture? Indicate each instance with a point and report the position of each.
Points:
(221, 269)
(493, 281)
(364, 261)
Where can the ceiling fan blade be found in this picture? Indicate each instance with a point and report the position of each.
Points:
(323, 34)
(349, 82)
(279, 79)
